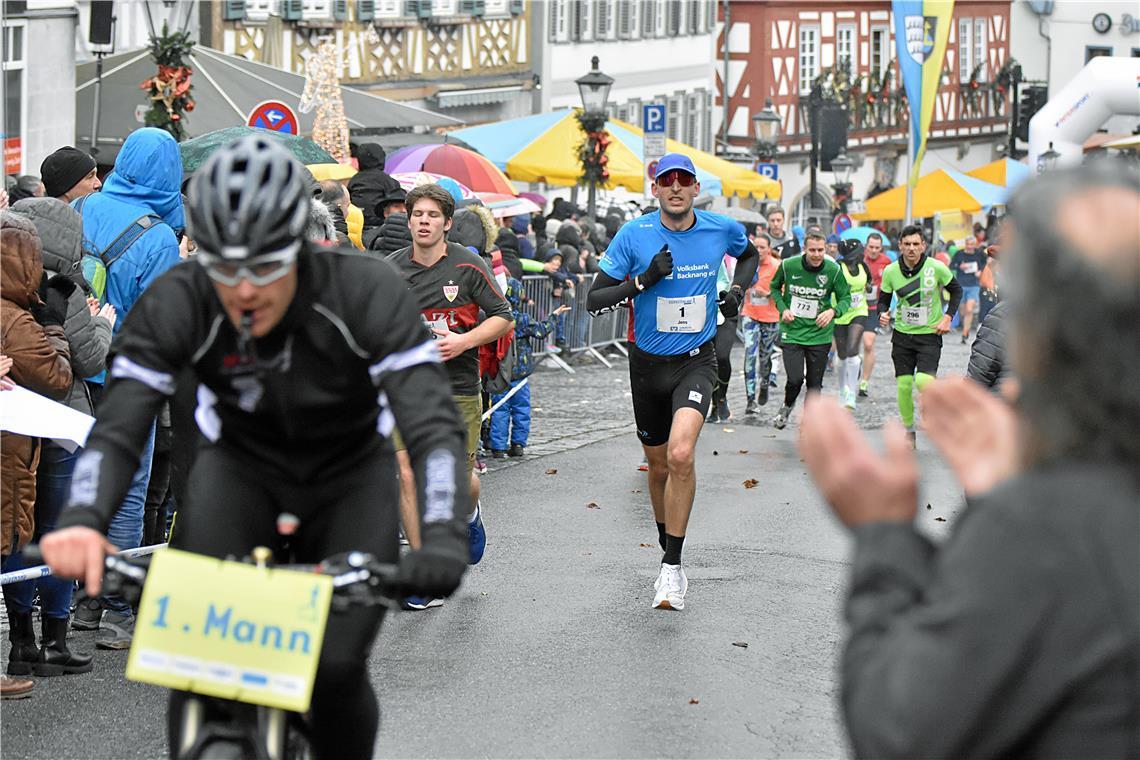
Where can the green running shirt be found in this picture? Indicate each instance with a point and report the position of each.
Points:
(858, 285)
(808, 293)
(919, 302)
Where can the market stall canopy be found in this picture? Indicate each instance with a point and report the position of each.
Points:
(543, 148)
(1005, 172)
(941, 190)
(226, 89)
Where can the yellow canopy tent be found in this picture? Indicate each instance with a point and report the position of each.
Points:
(543, 148)
(941, 190)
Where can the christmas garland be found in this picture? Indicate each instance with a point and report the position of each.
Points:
(169, 90)
(592, 148)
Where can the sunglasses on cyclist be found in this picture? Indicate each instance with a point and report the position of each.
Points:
(260, 270)
(675, 175)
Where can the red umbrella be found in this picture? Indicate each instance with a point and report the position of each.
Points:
(464, 166)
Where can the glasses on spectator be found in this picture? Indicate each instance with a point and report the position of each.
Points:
(676, 175)
(260, 270)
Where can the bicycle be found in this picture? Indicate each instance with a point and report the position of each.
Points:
(215, 728)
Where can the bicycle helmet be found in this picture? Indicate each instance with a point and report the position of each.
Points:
(249, 199)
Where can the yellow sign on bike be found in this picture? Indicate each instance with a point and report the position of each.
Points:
(230, 630)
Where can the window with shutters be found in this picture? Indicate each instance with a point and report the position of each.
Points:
(634, 112)
(708, 122)
(965, 49)
(660, 14)
(694, 108)
(629, 19)
(673, 117)
(582, 20)
(674, 19)
(606, 12)
(444, 7)
(258, 10)
(696, 13)
(880, 51)
(845, 51)
(559, 20)
(497, 8)
(389, 9)
(809, 57)
(980, 47)
(315, 10)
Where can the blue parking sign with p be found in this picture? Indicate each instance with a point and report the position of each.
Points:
(653, 119)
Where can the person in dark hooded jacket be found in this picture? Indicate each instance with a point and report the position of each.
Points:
(371, 183)
(508, 244)
(569, 242)
(520, 225)
(392, 235)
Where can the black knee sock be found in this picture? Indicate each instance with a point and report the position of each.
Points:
(673, 545)
(661, 535)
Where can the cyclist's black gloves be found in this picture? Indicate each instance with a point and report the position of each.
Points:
(428, 572)
(729, 301)
(660, 268)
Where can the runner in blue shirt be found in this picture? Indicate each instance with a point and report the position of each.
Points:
(667, 263)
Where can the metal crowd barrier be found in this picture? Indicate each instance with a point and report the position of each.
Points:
(576, 329)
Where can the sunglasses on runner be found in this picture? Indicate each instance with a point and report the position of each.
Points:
(675, 175)
(260, 270)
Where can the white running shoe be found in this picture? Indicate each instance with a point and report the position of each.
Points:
(671, 585)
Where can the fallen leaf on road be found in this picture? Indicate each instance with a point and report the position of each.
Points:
(646, 546)
(730, 430)
(939, 519)
(636, 490)
(741, 644)
(693, 701)
(592, 505)
(751, 483)
(743, 451)
(552, 471)
(773, 435)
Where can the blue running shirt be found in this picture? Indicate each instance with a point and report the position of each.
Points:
(678, 314)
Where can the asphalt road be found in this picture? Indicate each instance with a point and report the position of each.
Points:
(551, 648)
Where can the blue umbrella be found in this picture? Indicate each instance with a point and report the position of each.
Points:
(861, 234)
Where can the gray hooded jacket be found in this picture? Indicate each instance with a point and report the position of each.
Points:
(61, 231)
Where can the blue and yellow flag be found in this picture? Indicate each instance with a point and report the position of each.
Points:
(922, 28)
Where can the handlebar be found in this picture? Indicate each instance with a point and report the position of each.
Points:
(358, 578)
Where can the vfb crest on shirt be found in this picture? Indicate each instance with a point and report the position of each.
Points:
(920, 33)
(821, 280)
(450, 292)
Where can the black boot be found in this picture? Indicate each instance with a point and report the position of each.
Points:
(24, 652)
(762, 394)
(55, 659)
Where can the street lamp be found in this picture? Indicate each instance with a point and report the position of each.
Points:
(766, 125)
(1047, 161)
(842, 166)
(594, 89)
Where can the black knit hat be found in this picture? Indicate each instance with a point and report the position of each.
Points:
(63, 170)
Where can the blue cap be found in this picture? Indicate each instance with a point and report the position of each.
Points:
(671, 161)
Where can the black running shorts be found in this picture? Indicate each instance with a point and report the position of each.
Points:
(912, 353)
(663, 384)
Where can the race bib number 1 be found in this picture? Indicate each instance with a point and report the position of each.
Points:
(805, 307)
(230, 630)
(681, 315)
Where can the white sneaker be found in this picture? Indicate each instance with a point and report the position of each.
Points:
(671, 585)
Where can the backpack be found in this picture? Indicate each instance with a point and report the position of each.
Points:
(96, 263)
(496, 363)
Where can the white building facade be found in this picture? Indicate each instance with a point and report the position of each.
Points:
(1054, 40)
(657, 51)
(38, 83)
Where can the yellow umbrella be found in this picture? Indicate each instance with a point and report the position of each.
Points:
(1131, 141)
(941, 190)
(1005, 172)
(543, 148)
(332, 171)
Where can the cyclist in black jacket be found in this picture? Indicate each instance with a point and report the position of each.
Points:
(303, 360)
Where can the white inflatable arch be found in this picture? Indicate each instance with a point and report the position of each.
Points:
(1105, 87)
